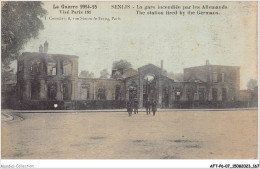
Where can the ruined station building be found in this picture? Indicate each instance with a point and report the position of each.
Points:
(43, 76)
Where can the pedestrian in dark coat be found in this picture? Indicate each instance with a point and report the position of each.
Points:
(136, 105)
(129, 108)
(148, 107)
(154, 107)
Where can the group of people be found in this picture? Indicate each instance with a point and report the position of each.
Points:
(148, 106)
(134, 105)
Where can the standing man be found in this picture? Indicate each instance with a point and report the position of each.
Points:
(148, 107)
(154, 107)
(136, 105)
(129, 108)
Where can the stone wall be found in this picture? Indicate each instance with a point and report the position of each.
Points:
(90, 89)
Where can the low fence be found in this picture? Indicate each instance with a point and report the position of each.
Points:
(115, 104)
(39, 105)
(68, 105)
(95, 104)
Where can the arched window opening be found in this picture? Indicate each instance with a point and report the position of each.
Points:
(101, 94)
(117, 93)
(52, 68)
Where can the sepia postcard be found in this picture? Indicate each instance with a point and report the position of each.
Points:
(129, 80)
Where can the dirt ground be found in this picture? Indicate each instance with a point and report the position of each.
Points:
(114, 135)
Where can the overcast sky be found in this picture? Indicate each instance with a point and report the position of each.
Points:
(181, 41)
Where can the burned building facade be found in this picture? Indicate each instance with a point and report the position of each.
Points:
(151, 83)
(222, 83)
(202, 84)
(42, 76)
(54, 77)
(101, 89)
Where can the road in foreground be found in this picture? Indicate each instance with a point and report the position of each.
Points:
(113, 135)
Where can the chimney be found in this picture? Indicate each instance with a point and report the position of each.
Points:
(207, 62)
(46, 45)
(162, 65)
(40, 49)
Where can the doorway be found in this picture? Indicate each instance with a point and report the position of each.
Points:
(149, 89)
